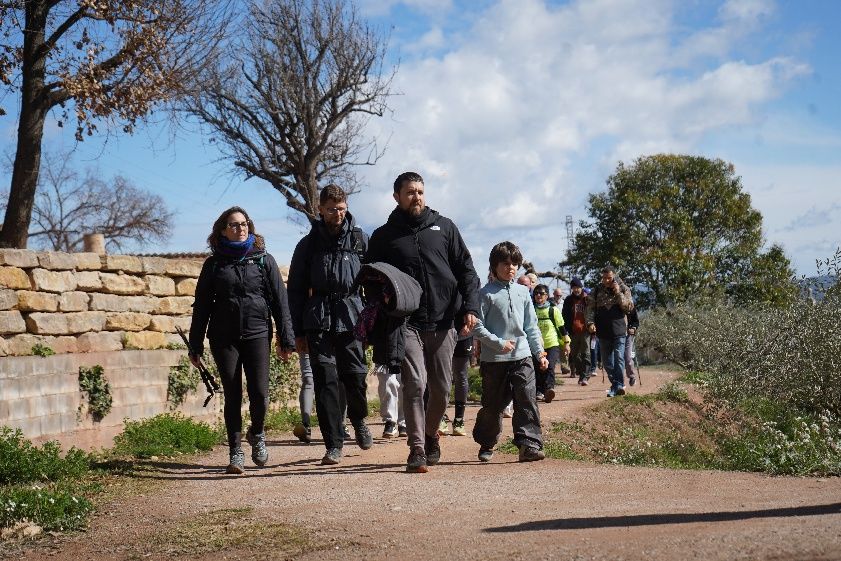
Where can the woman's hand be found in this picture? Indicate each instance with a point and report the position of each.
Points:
(284, 354)
(195, 361)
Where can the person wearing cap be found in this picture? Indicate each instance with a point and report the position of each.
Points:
(574, 313)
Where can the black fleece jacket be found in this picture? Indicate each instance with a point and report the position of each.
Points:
(430, 249)
(231, 295)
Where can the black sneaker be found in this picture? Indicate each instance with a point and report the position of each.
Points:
(363, 436)
(531, 454)
(303, 433)
(332, 457)
(549, 395)
(345, 432)
(485, 454)
(401, 431)
(390, 429)
(432, 449)
(416, 463)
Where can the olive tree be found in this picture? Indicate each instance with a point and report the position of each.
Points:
(677, 226)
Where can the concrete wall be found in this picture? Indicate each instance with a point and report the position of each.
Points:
(41, 396)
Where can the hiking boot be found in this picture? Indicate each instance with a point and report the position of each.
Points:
(485, 454)
(401, 431)
(236, 465)
(549, 395)
(416, 462)
(345, 432)
(390, 430)
(363, 436)
(458, 427)
(539, 396)
(583, 382)
(432, 448)
(259, 453)
(332, 457)
(531, 454)
(632, 380)
(303, 433)
(444, 427)
(620, 390)
(611, 392)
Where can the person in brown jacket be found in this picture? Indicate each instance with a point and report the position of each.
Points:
(607, 317)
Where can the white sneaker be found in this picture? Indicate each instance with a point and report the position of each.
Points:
(508, 412)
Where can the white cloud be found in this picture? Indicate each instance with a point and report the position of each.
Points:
(533, 106)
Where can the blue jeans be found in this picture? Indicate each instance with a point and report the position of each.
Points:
(613, 359)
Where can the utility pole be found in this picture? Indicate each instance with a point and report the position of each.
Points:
(570, 233)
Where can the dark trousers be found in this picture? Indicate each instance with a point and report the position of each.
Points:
(579, 354)
(337, 358)
(500, 382)
(546, 378)
(252, 356)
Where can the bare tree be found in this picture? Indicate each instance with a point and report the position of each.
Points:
(111, 60)
(69, 205)
(290, 104)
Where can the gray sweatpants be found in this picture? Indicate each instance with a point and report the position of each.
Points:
(428, 362)
(500, 382)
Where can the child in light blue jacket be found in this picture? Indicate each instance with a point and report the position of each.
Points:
(511, 343)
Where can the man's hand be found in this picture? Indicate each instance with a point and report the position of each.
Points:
(281, 352)
(615, 287)
(301, 345)
(509, 346)
(632, 331)
(544, 363)
(567, 349)
(591, 328)
(469, 323)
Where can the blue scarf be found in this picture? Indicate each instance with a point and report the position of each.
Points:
(235, 249)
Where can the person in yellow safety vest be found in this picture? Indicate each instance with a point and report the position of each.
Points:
(555, 340)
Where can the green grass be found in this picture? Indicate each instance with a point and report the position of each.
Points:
(669, 429)
(168, 434)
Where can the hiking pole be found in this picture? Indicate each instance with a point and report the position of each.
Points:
(206, 377)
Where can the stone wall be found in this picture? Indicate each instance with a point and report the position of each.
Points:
(84, 302)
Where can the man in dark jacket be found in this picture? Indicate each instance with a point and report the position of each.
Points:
(428, 247)
(573, 311)
(324, 311)
(607, 311)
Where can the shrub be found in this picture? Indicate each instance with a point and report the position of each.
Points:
(92, 382)
(21, 462)
(52, 509)
(182, 379)
(284, 379)
(39, 349)
(167, 434)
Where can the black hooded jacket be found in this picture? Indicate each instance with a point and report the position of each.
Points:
(430, 249)
(237, 297)
(321, 277)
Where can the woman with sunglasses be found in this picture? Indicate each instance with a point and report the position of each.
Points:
(238, 291)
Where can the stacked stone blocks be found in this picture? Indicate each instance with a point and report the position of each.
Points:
(83, 302)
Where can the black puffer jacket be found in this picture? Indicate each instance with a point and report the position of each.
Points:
(231, 295)
(321, 278)
(430, 249)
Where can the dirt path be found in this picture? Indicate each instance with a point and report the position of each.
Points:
(368, 508)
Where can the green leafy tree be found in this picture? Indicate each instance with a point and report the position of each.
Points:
(677, 226)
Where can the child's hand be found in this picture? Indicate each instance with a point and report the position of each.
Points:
(509, 346)
(544, 363)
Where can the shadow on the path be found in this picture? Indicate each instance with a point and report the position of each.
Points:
(656, 519)
(195, 472)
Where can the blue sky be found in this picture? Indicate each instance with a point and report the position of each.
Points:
(515, 110)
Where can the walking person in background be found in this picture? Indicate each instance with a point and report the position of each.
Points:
(306, 395)
(238, 290)
(555, 340)
(607, 311)
(461, 364)
(428, 247)
(630, 349)
(324, 310)
(511, 346)
(574, 309)
(391, 403)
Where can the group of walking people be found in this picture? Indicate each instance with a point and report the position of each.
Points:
(412, 292)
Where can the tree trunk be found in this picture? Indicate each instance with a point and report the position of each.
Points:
(34, 105)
